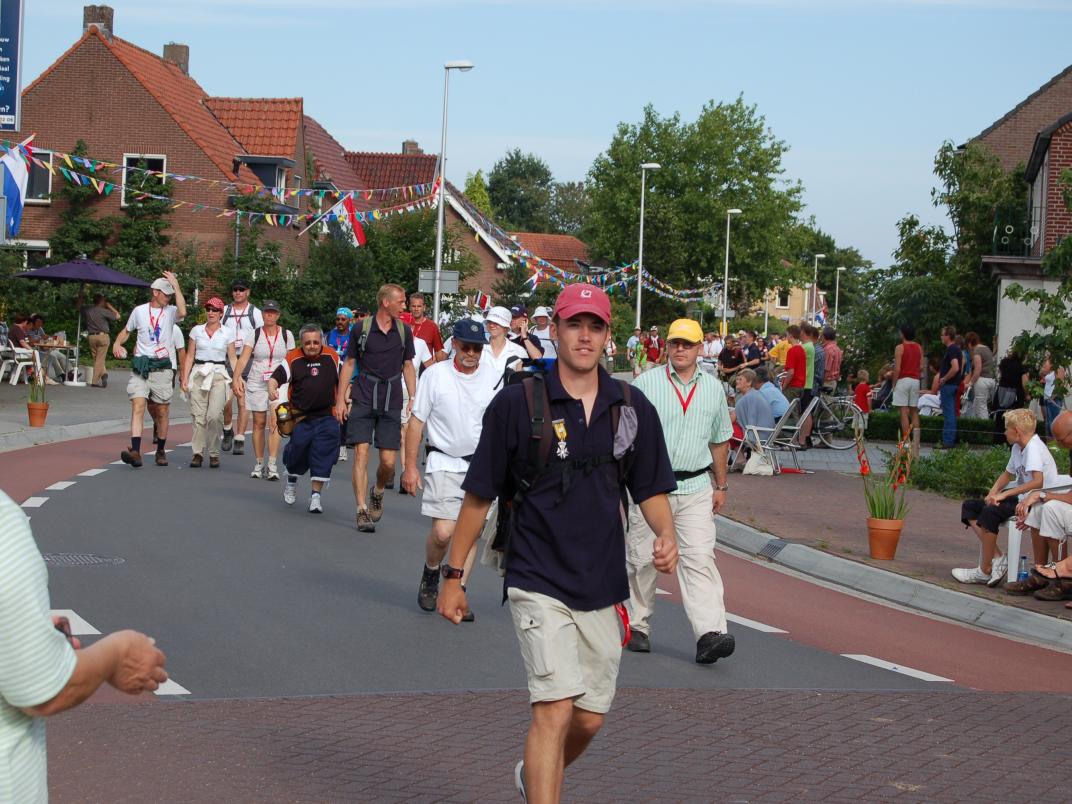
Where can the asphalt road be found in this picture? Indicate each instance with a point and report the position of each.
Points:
(251, 598)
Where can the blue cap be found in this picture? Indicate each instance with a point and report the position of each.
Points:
(467, 330)
(344, 311)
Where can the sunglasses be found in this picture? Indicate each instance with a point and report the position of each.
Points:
(470, 347)
(213, 310)
(681, 344)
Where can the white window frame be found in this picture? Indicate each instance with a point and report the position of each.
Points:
(26, 246)
(778, 299)
(42, 202)
(123, 203)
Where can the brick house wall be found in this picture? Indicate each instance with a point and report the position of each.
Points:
(1013, 136)
(1058, 220)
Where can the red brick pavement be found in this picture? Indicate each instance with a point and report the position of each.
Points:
(826, 510)
(658, 745)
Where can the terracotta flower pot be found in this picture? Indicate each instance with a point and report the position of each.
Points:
(38, 412)
(883, 536)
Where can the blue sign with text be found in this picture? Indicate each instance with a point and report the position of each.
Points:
(11, 13)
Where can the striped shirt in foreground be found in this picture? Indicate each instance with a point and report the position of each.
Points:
(35, 660)
(688, 434)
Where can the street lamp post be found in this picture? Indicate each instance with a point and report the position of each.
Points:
(726, 274)
(837, 291)
(815, 288)
(461, 66)
(644, 168)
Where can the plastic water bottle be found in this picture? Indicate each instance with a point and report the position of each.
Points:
(1021, 574)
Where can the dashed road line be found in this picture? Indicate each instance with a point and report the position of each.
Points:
(753, 624)
(34, 502)
(79, 627)
(169, 687)
(92, 472)
(60, 486)
(662, 592)
(896, 668)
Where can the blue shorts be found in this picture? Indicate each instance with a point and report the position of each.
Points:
(313, 447)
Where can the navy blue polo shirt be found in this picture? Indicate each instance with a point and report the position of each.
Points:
(383, 359)
(573, 548)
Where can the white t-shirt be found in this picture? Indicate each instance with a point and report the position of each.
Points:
(550, 348)
(711, 349)
(35, 660)
(451, 405)
(511, 352)
(211, 348)
(244, 323)
(156, 330)
(268, 352)
(421, 354)
(1035, 457)
(178, 341)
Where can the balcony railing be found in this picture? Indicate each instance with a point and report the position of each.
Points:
(1017, 232)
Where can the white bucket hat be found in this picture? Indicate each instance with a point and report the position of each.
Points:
(500, 316)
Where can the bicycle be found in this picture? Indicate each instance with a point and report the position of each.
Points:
(834, 420)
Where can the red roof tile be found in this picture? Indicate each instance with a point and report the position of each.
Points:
(264, 126)
(382, 170)
(558, 249)
(329, 158)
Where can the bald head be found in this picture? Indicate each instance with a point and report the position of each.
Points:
(1062, 429)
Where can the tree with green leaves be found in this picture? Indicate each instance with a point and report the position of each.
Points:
(476, 190)
(81, 230)
(569, 206)
(520, 188)
(140, 246)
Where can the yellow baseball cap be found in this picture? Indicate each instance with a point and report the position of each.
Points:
(685, 329)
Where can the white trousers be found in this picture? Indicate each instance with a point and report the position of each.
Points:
(701, 585)
(985, 388)
(206, 409)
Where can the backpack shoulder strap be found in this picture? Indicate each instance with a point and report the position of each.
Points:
(401, 332)
(257, 336)
(540, 435)
(366, 328)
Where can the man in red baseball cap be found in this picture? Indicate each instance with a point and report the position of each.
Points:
(565, 561)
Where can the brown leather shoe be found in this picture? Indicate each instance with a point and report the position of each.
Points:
(196, 462)
(131, 456)
(213, 462)
(161, 458)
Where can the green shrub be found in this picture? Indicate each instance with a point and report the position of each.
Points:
(885, 426)
(962, 473)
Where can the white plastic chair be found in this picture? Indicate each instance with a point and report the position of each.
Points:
(20, 362)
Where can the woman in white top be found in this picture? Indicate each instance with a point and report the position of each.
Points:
(209, 353)
(501, 352)
(267, 347)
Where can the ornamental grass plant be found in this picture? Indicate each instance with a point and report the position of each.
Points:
(885, 494)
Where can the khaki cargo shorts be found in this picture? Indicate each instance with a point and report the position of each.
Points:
(158, 388)
(906, 393)
(568, 654)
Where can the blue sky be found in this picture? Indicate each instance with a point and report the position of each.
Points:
(863, 91)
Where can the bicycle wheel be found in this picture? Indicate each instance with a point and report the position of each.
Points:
(835, 420)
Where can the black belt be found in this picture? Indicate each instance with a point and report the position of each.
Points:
(691, 475)
(430, 448)
(210, 362)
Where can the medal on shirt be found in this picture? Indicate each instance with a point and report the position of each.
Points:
(560, 432)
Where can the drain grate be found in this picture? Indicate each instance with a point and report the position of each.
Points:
(772, 548)
(81, 560)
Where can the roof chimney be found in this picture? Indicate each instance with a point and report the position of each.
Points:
(411, 147)
(179, 55)
(99, 17)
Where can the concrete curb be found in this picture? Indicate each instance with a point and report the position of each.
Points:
(33, 437)
(896, 588)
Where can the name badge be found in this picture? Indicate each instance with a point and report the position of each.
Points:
(266, 375)
(238, 345)
(162, 352)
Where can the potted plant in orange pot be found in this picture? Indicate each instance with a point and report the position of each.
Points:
(37, 405)
(885, 498)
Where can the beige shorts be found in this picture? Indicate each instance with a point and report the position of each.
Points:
(568, 654)
(1054, 520)
(257, 397)
(442, 497)
(158, 388)
(906, 393)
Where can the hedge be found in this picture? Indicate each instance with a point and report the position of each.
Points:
(963, 473)
(885, 426)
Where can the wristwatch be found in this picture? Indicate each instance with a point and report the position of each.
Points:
(1042, 495)
(452, 572)
(723, 487)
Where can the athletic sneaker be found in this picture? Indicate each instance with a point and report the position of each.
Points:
(375, 504)
(258, 471)
(273, 472)
(342, 453)
(364, 521)
(429, 589)
(971, 575)
(519, 779)
(239, 446)
(314, 503)
(998, 569)
(714, 645)
(227, 441)
(290, 491)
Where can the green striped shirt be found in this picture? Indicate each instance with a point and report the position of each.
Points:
(688, 434)
(35, 660)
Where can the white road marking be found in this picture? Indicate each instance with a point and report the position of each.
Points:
(34, 502)
(117, 463)
(63, 484)
(186, 444)
(79, 627)
(756, 626)
(92, 472)
(661, 592)
(169, 687)
(908, 671)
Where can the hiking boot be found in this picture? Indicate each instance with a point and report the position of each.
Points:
(161, 458)
(714, 645)
(375, 504)
(131, 456)
(290, 491)
(429, 589)
(258, 471)
(239, 446)
(213, 462)
(639, 642)
(314, 503)
(228, 440)
(104, 381)
(364, 521)
(196, 462)
(273, 472)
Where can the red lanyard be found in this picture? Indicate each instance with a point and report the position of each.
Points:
(685, 401)
(154, 325)
(271, 345)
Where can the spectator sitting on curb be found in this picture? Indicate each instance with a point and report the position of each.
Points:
(1031, 466)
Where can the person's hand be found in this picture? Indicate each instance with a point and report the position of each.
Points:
(273, 394)
(118, 352)
(141, 663)
(1026, 503)
(340, 411)
(184, 385)
(664, 554)
(409, 406)
(718, 499)
(170, 277)
(524, 327)
(411, 480)
(239, 387)
(994, 499)
(74, 642)
(452, 603)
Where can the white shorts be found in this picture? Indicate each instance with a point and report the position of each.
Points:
(568, 654)
(1055, 519)
(442, 497)
(906, 393)
(158, 388)
(256, 397)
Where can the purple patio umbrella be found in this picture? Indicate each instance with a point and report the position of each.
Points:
(82, 270)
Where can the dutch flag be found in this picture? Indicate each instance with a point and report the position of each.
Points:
(16, 177)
